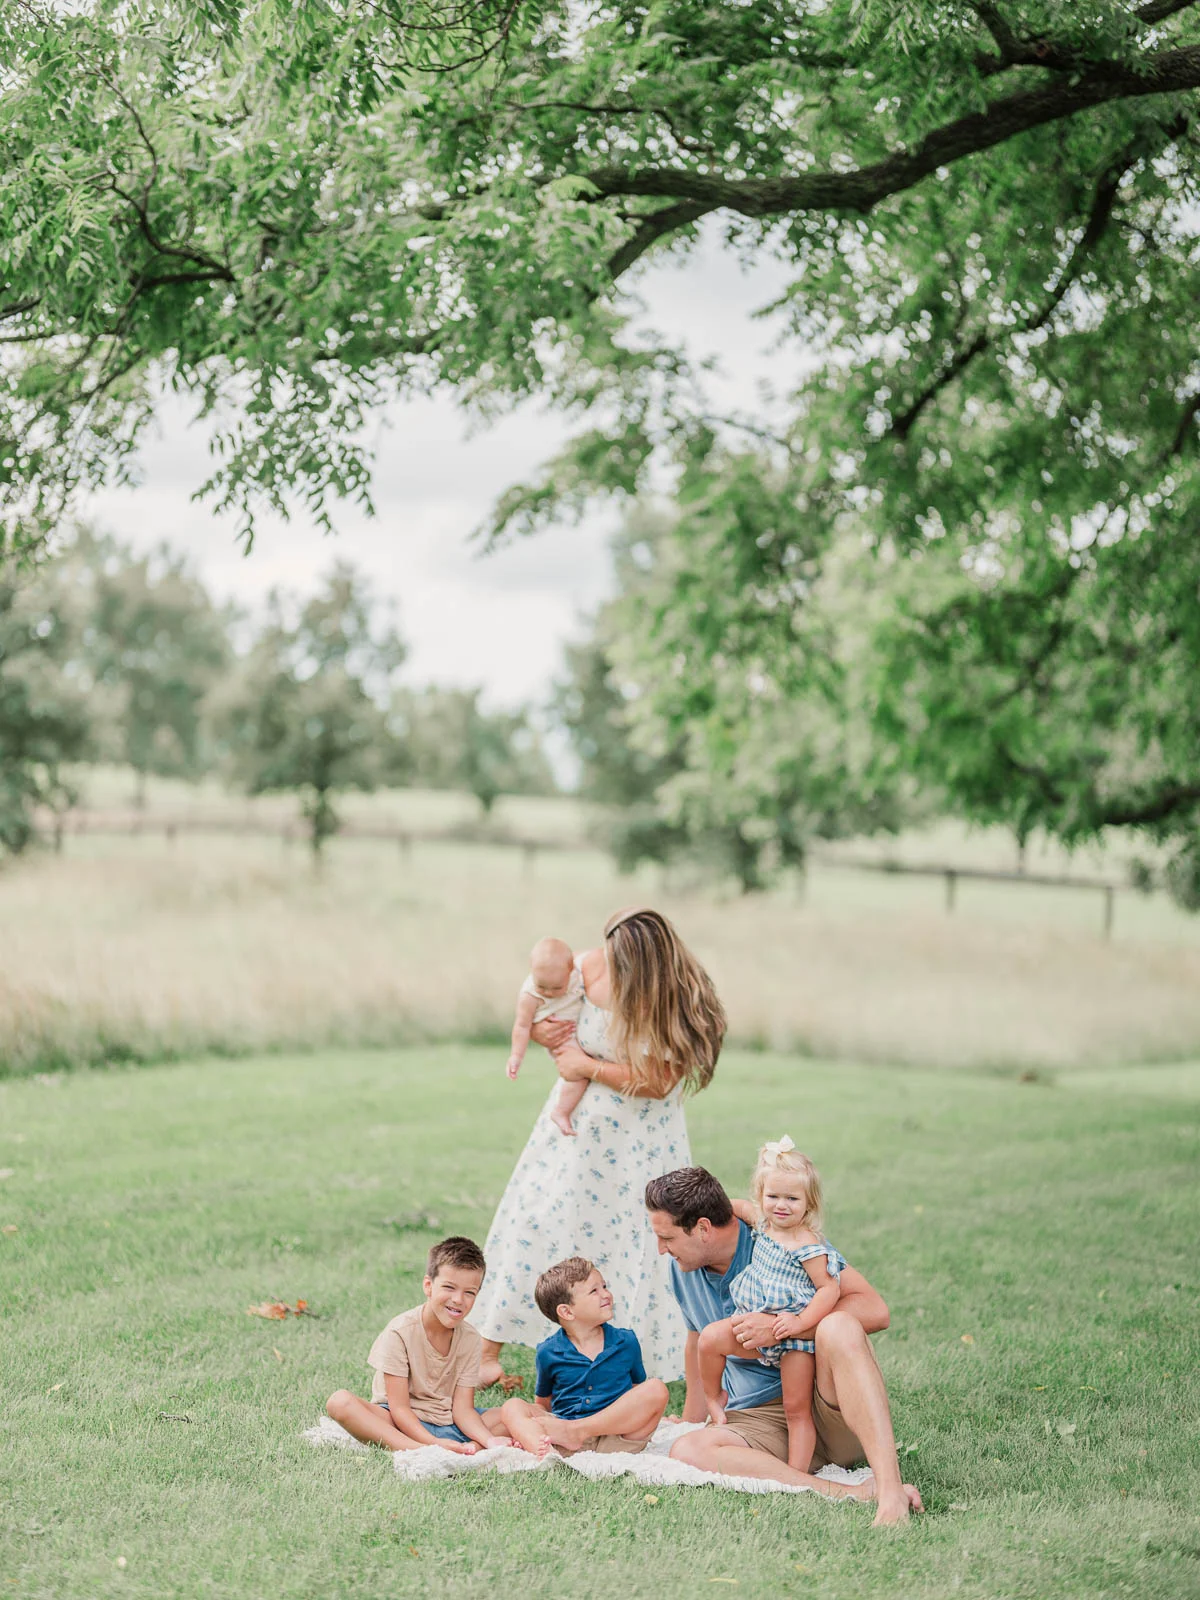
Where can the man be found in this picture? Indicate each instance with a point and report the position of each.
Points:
(695, 1225)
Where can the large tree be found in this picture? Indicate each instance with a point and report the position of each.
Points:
(45, 706)
(303, 712)
(153, 647)
(987, 216)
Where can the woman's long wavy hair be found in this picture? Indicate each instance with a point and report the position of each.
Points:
(667, 1022)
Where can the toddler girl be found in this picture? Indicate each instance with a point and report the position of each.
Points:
(795, 1272)
(554, 988)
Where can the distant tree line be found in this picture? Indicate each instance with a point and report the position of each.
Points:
(111, 656)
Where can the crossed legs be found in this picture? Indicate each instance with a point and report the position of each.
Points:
(634, 1415)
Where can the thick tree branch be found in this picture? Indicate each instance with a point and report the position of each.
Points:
(1160, 10)
(1168, 72)
(1098, 220)
(1169, 801)
(1185, 429)
(651, 229)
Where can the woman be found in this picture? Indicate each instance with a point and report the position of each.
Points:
(649, 1032)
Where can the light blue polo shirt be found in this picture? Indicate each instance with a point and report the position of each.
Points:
(704, 1297)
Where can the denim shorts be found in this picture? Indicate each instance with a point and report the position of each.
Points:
(439, 1430)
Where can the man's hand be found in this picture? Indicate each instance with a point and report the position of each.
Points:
(553, 1033)
(755, 1329)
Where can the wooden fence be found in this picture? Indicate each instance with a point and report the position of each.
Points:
(136, 825)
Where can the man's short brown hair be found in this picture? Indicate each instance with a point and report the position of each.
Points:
(556, 1285)
(455, 1252)
(686, 1195)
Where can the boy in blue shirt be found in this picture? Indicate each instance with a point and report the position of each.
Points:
(592, 1389)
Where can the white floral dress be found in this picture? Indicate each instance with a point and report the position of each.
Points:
(584, 1196)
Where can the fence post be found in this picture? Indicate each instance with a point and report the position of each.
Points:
(404, 840)
(529, 853)
(951, 889)
(1110, 896)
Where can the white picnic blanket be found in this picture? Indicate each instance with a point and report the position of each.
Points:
(653, 1467)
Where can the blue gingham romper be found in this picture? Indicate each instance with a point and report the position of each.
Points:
(776, 1280)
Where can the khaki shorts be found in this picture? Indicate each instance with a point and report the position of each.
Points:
(611, 1444)
(765, 1428)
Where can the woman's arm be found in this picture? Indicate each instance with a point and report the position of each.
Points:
(575, 1064)
(552, 1032)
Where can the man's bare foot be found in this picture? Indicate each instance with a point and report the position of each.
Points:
(563, 1124)
(895, 1507)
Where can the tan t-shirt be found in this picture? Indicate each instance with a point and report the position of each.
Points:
(403, 1350)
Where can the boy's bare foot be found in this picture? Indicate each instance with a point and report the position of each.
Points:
(470, 1448)
(530, 1434)
(567, 1435)
(563, 1124)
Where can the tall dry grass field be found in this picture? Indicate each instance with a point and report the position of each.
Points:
(123, 948)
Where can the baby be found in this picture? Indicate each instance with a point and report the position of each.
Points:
(554, 988)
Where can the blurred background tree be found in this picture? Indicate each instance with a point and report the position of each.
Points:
(154, 646)
(444, 739)
(303, 711)
(45, 708)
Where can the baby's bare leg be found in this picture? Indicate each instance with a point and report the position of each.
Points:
(716, 1342)
(568, 1097)
(370, 1424)
(797, 1371)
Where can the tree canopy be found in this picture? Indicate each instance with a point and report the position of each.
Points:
(303, 209)
(987, 218)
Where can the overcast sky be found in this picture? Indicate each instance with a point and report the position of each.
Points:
(498, 620)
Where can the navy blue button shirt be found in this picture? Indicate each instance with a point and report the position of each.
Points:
(579, 1387)
(704, 1297)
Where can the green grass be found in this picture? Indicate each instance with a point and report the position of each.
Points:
(1055, 1224)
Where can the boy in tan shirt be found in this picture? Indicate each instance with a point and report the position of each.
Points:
(426, 1365)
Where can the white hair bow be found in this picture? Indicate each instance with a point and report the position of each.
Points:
(774, 1148)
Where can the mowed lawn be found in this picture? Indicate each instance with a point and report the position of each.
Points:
(1037, 1243)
